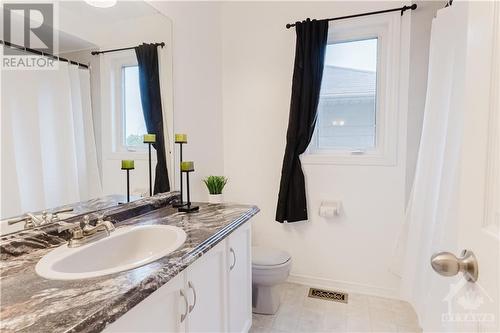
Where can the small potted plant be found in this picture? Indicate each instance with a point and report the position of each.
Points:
(215, 185)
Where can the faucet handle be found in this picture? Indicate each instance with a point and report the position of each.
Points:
(17, 220)
(85, 223)
(55, 217)
(77, 233)
(44, 217)
(63, 226)
(63, 210)
(109, 225)
(28, 221)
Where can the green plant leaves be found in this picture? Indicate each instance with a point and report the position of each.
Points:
(215, 184)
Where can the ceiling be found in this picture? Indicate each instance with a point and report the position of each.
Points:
(98, 17)
(71, 43)
(123, 10)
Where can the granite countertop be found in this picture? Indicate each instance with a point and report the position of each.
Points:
(30, 303)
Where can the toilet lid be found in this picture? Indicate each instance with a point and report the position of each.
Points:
(268, 257)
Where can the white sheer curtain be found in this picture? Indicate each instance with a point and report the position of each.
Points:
(48, 146)
(431, 222)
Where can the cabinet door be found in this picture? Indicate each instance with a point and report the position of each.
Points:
(239, 258)
(159, 312)
(206, 290)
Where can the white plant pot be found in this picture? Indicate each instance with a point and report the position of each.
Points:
(215, 198)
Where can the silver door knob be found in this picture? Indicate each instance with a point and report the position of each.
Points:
(447, 264)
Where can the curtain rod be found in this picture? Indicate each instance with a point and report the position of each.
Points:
(401, 9)
(162, 44)
(44, 54)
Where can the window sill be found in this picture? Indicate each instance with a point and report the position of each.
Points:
(132, 155)
(374, 159)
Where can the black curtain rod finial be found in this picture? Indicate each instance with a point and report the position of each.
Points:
(405, 8)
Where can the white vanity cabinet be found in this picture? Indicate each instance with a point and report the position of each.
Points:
(212, 295)
(205, 283)
(239, 256)
(159, 312)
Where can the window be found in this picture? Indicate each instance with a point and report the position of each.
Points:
(347, 106)
(122, 121)
(357, 120)
(134, 126)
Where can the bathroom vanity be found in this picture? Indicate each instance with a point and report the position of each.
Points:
(204, 285)
(212, 295)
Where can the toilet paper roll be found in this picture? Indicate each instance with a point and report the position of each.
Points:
(329, 209)
(328, 212)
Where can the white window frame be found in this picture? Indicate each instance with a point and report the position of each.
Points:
(114, 147)
(387, 30)
(119, 110)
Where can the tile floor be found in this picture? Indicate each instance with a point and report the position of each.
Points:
(362, 313)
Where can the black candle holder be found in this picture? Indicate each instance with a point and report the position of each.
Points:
(150, 173)
(150, 139)
(182, 140)
(187, 207)
(127, 166)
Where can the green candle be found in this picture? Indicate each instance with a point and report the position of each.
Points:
(187, 166)
(127, 164)
(149, 138)
(181, 138)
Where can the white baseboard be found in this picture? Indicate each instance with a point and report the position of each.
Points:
(349, 287)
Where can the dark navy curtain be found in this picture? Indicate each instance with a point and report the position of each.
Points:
(149, 82)
(306, 84)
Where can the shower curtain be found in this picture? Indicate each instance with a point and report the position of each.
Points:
(431, 222)
(48, 147)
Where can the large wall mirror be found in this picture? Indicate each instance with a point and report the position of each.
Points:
(65, 130)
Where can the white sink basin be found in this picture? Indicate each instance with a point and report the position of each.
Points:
(126, 248)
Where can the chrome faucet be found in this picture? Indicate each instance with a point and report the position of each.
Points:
(31, 221)
(84, 233)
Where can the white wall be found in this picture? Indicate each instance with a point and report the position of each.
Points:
(351, 252)
(197, 87)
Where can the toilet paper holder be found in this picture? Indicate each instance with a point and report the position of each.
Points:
(330, 209)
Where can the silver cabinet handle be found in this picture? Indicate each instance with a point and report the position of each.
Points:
(183, 316)
(447, 264)
(234, 259)
(191, 285)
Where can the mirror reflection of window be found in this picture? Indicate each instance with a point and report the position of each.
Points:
(134, 124)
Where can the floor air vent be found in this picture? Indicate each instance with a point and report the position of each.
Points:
(329, 295)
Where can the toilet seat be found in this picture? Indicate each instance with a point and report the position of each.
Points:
(273, 267)
(263, 258)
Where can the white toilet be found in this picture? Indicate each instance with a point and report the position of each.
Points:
(270, 267)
